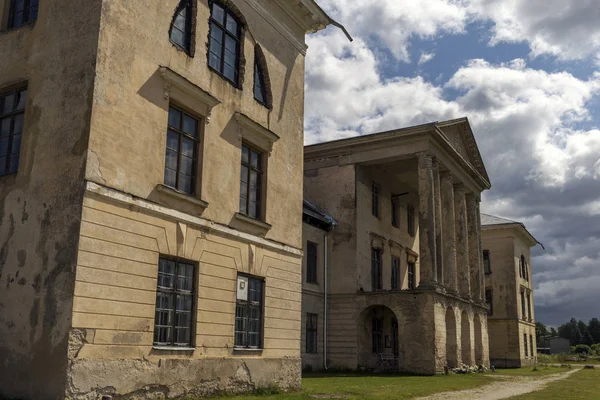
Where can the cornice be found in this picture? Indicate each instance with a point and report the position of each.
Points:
(277, 25)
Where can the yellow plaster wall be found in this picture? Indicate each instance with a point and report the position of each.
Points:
(129, 119)
(115, 289)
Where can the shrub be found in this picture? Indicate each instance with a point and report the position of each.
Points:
(596, 349)
(582, 349)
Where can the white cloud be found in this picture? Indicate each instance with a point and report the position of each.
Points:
(426, 57)
(568, 30)
(395, 22)
(544, 167)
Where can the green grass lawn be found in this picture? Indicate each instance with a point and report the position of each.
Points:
(584, 384)
(530, 371)
(380, 387)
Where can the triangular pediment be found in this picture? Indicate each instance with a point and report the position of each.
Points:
(460, 136)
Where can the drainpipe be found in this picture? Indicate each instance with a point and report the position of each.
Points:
(326, 283)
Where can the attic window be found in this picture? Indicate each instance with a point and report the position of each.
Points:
(262, 90)
(181, 33)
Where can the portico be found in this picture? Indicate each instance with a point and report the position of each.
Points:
(408, 240)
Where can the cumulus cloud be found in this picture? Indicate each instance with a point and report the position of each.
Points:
(393, 23)
(567, 30)
(545, 169)
(426, 57)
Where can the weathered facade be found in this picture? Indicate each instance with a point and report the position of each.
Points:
(405, 283)
(134, 261)
(509, 292)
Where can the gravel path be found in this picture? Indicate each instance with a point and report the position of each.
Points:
(508, 387)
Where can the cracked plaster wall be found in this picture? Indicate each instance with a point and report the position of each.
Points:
(40, 206)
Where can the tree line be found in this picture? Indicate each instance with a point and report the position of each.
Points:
(576, 332)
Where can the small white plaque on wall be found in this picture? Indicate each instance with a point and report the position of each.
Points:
(242, 288)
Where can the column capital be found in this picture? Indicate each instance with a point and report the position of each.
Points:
(459, 187)
(474, 197)
(425, 159)
(447, 176)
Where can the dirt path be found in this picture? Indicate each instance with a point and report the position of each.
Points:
(505, 388)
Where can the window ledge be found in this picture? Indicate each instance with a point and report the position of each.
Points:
(26, 25)
(263, 226)
(247, 349)
(171, 193)
(173, 348)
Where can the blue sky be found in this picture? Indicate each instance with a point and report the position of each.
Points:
(525, 72)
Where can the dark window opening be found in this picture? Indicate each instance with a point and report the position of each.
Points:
(181, 29)
(377, 335)
(523, 314)
(376, 273)
(525, 343)
(311, 262)
(411, 275)
(174, 317)
(395, 214)
(375, 200)
(410, 220)
(224, 43)
(251, 182)
(531, 347)
(22, 12)
(249, 313)
(395, 273)
(522, 267)
(311, 332)
(395, 345)
(12, 113)
(489, 301)
(529, 306)
(181, 153)
(486, 262)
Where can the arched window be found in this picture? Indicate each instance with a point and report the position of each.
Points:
(225, 41)
(262, 87)
(181, 33)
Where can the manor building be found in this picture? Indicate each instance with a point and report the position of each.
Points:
(398, 280)
(509, 291)
(150, 196)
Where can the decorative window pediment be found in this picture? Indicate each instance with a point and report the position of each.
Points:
(411, 256)
(187, 93)
(395, 247)
(377, 241)
(255, 133)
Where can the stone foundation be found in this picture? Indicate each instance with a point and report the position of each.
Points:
(135, 379)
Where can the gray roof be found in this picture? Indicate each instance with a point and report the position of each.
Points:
(327, 222)
(487, 219)
(491, 220)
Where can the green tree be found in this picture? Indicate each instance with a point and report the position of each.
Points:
(586, 338)
(594, 329)
(570, 331)
(553, 332)
(540, 331)
(582, 349)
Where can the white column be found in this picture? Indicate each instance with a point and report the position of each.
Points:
(426, 221)
(462, 241)
(449, 232)
(439, 245)
(474, 250)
